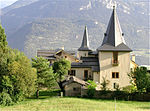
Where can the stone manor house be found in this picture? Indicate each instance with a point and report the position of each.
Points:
(111, 61)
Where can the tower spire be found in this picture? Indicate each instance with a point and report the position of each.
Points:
(113, 35)
(113, 38)
(85, 41)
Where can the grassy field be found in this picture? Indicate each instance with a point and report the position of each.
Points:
(76, 104)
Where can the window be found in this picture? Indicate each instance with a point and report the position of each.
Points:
(74, 89)
(115, 74)
(65, 56)
(115, 57)
(50, 61)
(116, 86)
(85, 74)
(72, 72)
(69, 72)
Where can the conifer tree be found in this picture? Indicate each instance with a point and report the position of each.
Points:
(3, 42)
(45, 76)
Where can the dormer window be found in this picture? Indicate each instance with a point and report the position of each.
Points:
(115, 58)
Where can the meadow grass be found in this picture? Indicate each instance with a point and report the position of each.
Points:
(76, 104)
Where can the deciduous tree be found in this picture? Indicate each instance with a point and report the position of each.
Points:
(61, 68)
(17, 77)
(141, 79)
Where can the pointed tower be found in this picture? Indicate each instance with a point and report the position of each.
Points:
(84, 49)
(114, 55)
(113, 38)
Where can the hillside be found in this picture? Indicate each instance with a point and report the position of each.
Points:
(44, 24)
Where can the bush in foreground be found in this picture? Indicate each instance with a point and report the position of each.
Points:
(91, 89)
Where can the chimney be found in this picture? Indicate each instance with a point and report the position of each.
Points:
(133, 58)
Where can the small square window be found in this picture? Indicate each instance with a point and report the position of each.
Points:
(115, 74)
(74, 89)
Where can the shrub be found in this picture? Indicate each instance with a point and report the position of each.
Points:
(91, 89)
(130, 89)
(5, 99)
(105, 84)
(117, 88)
(120, 95)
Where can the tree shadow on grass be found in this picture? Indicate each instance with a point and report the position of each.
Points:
(40, 97)
(144, 107)
(46, 94)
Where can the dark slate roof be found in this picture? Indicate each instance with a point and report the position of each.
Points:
(87, 62)
(93, 53)
(121, 47)
(89, 59)
(85, 42)
(50, 58)
(113, 39)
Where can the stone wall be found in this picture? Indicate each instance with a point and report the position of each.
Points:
(73, 89)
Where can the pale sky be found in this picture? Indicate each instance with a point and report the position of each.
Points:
(4, 3)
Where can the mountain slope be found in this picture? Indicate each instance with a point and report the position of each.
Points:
(19, 3)
(52, 24)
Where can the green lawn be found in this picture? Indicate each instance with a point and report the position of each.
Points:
(76, 104)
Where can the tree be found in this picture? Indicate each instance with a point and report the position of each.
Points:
(104, 84)
(141, 79)
(61, 68)
(3, 51)
(3, 42)
(24, 75)
(45, 76)
(17, 79)
(91, 88)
